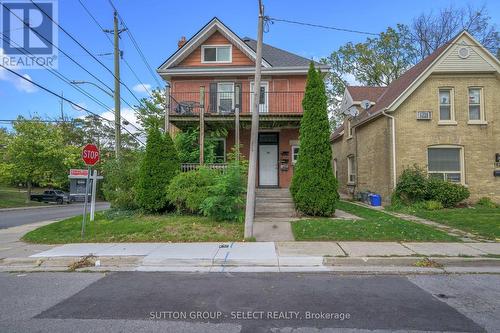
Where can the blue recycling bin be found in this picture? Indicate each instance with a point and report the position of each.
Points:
(375, 200)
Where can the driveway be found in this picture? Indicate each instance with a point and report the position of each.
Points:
(17, 217)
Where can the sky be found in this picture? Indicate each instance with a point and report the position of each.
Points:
(157, 25)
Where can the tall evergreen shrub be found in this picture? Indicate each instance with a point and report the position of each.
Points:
(314, 187)
(159, 165)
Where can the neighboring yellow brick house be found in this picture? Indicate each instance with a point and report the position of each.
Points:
(442, 114)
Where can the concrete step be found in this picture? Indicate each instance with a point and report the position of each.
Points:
(266, 204)
(273, 199)
(276, 210)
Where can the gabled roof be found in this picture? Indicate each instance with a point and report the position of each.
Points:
(278, 57)
(402, 87)
(274, 60)
(206, 31)
(360, 93)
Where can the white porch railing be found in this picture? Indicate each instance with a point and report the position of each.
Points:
(185, 167)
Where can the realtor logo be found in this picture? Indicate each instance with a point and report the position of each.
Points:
(29, 36)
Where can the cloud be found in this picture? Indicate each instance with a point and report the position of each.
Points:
(23, 85)
(19, 83)
(142, 88)
(127, 114)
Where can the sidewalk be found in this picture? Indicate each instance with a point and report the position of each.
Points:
(366, 257)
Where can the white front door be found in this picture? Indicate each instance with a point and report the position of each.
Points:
(268, 165)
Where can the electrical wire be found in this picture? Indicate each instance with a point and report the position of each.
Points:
(111, 42)
(66, 100)
(136, 45)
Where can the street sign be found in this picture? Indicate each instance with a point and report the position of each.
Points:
(90, 154)
(78, 172)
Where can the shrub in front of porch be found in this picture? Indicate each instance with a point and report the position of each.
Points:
(226, 200)
(188, 190)
(159, 165)
(314, 187)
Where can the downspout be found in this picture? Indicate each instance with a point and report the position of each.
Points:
(393, 143)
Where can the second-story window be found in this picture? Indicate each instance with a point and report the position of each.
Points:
(349, 128)
(216, 53)
(446, 113)
(476, 112)
(225, 97)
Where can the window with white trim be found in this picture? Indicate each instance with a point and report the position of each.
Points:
(349, 128)
(351, 169)
(446, 112)
(446, 163)
(216, 53)
(264, 89)
(476, 112)
(295, 154)
(225, 96)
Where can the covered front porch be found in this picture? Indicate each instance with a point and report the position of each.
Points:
(278, 145)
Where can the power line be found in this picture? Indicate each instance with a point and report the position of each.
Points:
(67, 100)
(136, 45)
(86, 50)
(111, 42)
(72, 60)
(65, 79)
(273, 19)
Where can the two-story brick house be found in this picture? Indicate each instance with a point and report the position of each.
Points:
(442, 114)
(211, 86)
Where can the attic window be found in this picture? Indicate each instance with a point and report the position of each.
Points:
(216, 53)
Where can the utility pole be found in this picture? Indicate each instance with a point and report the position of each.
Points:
(117, 55)
(254, 133)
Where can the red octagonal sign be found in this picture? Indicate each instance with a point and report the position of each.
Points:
(90, 154)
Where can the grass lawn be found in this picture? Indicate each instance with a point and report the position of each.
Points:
(375, 226)
(12, 197)
(115, 227)
(481, 221)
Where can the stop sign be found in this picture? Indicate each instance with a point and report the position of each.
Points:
(90, 154)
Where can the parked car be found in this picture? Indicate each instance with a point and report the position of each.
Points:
(57, 196)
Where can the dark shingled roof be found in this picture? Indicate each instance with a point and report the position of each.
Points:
(359, 93)
(278, 57)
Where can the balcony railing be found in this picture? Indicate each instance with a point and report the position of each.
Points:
(226, 103)
(185, 167)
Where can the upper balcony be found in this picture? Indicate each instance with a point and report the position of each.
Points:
(227, 103)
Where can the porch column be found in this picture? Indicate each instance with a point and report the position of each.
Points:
(237, 121)
(167, 109)
(202, 125)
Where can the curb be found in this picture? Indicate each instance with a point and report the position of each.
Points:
(42, 206)
(410, 261)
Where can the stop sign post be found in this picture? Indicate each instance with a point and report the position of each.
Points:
(90, 155)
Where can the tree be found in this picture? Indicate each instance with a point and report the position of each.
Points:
(430, 30)
(151, 112)
(5, 167)
(376, 62)
(314, 187)
(159, 165)
(37, 154)
(188, 147)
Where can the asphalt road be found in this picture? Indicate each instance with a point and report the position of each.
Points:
(17, 217)
(247, 302)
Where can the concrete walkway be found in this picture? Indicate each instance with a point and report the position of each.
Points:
(267, 256)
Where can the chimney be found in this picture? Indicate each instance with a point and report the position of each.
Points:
(181, 42)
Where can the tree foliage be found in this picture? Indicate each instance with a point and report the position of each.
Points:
(314, 187)
(159, 165)
(37, 154)
(120, 180)
(380, 60)
(151, 112)
(188, 147)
